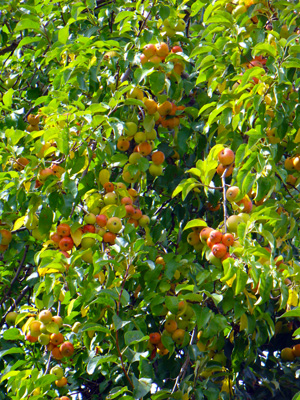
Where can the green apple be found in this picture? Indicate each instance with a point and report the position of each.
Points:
(45, 317)
(144, 221)
(131, 128)
(114, 224)
(10, 318)
(43, 328)
(90, 219)
(151, 135)
(57, 371)
(155, 170)
(44, 339)
(140, 137)
(233, 222)
(110, 198)
(180, 26)
(245, 217)
(187, 314)
(34, 328)
(87, 242)
(134, 157)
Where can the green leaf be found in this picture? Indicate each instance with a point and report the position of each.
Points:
(63, 34)
(45, 220)
(292, 313)
(12, 334)
(142, 386)
(7, 97)
(133, 337)
(95, 361)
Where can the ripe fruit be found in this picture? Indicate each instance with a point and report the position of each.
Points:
(44, 173)
(137, 214)
(67, 349)
(114, 225)
(56, 353)
(108, 187)
(31, 338)
(144, 148)
(6, 237)
(226, 157)
(45, 316)
(227, 239)
(154, 337)
(101, 220)
(170, 325)
(219, 250)
(158, 157)
(33, 119)
(123, 144)
(57, 338)
(204, 234)
(88, 229)
(232, 193)
(149, 50)
(66, 243)
(162, 49)
(109, 237)
(61, 382)
(10, 318)
(63, 230)
(165, 108)
(20, 163)
(296, 350)
(221, 169)
(58, 320)
(215, 236)
(34, 328)
(151, 106)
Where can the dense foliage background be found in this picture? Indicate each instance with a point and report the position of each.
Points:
(147, 310)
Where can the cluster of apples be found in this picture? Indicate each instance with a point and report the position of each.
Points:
(143, 148)
(245, 204)
(33, 121)
(292, 164)
(157, 53)
(175, 327)
(289, 354)
(45, 330)
(107, 227)
(226, 159)
(171, 26)
(6, 238)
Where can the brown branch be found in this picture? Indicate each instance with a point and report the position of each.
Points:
(146, 19)
(7, 49)
(22, 294)
(16, 276)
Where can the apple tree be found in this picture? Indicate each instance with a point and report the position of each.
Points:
(149, 176)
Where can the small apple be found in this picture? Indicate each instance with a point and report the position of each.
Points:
(44, 339)
(131, 128)
(57, 371)
(155, 170)
(34, 328)
(90, 219)
(110, 198)
(67, 349)
(232, 223)
(10, 318)
(144, 221)
(58, 320)
(45, 316)
(87, 242)
(114, 224)
(31, 222)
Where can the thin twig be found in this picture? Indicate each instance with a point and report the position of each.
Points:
(184, 367)
(16, 276)
(22, 294)
(146, 19)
